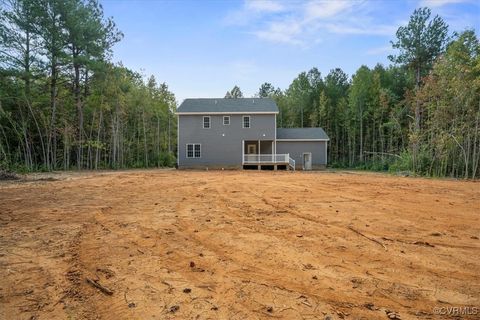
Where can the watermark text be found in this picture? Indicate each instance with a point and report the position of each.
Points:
(456, 311)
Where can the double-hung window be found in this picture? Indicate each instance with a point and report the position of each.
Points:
(194, 150)
(206, 122)
(246, 121)
(226, 120)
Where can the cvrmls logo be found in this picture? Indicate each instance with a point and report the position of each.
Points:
(456, 311)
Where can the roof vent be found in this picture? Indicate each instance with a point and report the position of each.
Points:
(253, 101)
(215, 101)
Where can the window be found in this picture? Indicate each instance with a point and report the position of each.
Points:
(246, 121)
(206, 122)
(226, 120)
(193, 150)
(197, 151)
(189, 150)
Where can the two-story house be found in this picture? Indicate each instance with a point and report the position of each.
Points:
(243, 133)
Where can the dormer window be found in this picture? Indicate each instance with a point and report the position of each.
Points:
(206, 122)
(246, 121)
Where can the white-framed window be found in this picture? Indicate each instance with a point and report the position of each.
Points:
(206, 122)
(226, 120)
(190, 150)
(194, 150)
(246, 121)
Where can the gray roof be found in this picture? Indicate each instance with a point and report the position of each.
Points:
(301, 133)
(228, 105)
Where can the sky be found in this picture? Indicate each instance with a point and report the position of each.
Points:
(204, 48)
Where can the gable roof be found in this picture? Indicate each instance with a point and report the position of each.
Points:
(301, 134)
(222, 105)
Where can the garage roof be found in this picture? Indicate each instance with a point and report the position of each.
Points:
(301, 134)
(222, 105)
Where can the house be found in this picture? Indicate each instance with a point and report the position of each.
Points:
(243, 133)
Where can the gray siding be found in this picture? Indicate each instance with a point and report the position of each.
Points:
(297, 148)
(221, 146)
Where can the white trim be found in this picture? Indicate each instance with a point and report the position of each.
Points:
(234, 112)
(303, 139)
(275, 137)
(209, 122)
(200, 145)
(273, 150)
(243, 150)
(326, 155)
(223, 120)
(266, 158)
(193, 144)
(249, 122)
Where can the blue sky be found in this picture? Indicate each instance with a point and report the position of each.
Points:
(204, 48)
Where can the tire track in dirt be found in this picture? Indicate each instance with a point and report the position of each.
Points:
(266, 272)
(259, 237)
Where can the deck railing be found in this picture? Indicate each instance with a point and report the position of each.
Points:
(259, 159)
(291, 162)
(265, 158)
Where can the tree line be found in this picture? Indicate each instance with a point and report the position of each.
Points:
(420, 114)
(64, 104)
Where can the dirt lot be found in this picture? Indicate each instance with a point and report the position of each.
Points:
(238, 245)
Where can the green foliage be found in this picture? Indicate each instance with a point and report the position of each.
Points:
(420, 42)
(64, 105)
(450, 100)
(234, 93)
(420, 116)
(167, 159)
(403, 163)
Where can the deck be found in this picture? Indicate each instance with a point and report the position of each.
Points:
(269, 160)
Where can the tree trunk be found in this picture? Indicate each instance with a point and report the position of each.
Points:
(476, 148)
(169, 132)
(361, 135)
(89, 150)
(97, 151)
(79, 106)
(53, 109)
(157, 143)
(27, 61)
(144, 139)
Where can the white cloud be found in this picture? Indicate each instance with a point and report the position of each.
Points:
(305, 23)
(264, 5)
(281, 32)
(253, 10)
(439, 3)
(325, 9)
(380, 30)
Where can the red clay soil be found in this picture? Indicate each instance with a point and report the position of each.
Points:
(164, 244)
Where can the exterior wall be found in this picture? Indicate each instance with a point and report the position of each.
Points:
(221, 146)
(297, 148)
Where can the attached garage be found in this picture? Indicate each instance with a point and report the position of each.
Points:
(307, 146)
